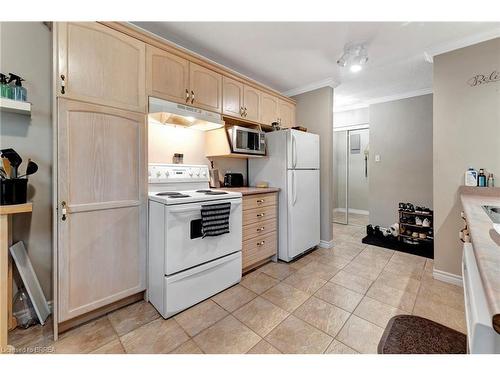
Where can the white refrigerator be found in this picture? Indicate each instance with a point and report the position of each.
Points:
(292, 164)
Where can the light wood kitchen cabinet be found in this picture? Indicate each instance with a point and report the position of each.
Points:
(260, 240)
(205, 88)
(99, 65)
(286, 114)
(232, 97)
(269, 113)
(167, 75)
(102, 204)
(252, 104)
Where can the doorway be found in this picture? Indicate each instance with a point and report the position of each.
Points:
(351, 200)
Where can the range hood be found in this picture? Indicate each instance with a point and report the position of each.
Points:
(166, 112)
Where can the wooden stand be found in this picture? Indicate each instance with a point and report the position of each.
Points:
(6, 319)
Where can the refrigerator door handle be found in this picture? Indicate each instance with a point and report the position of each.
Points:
(294, 189)
(294, 151)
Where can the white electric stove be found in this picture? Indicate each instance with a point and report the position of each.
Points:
(185, 268)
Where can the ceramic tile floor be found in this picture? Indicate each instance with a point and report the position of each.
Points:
(329, 301)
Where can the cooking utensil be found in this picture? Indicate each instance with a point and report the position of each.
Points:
(7, 167)
(30, 169)
(14, 159)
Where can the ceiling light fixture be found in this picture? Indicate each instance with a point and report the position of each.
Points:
(355, 56)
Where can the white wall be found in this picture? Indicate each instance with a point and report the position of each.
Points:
(165, 140)
(466, 133)
(26, 49)
(315, 112)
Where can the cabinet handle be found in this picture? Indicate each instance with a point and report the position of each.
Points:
(192, 96)
(261, 200)
(245, 111)
(63, 84)
(242, 112)
(187, 95)
(261, 214)
(63, 211)
(260, 229)
(261, 243)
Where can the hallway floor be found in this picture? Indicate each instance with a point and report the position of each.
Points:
(329, 301)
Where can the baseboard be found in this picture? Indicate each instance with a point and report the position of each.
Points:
(326, 244)
(447, 277)
(352, 211)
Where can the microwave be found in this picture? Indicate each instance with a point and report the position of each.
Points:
(247, 141)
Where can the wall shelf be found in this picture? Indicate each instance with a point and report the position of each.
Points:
(15, 106)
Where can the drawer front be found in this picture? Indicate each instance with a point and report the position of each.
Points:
(259, 200)
(259, 229)
(258, 215)
(259, 248)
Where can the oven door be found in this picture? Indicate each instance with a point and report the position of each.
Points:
(184, 246)
(247, 141)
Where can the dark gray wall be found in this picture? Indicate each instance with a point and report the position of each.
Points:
(26, 49)
(401, 133)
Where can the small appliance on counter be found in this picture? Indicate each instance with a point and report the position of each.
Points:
(233, 180)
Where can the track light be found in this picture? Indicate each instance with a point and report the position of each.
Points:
(354, 57)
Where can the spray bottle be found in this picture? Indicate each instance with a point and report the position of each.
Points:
(5, 89)
(18, 91)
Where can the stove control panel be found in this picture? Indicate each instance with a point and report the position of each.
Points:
(167, 173)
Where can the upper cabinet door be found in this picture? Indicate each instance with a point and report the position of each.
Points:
(286, 114)
(251, 104)
(269, 112)
(100, 65)
(205, 88)
(232, 97)
(167, 75)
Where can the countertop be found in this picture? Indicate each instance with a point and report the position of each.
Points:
(251, 190)
(485, 241)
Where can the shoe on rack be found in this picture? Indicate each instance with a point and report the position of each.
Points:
(418, 221)
(426, 223)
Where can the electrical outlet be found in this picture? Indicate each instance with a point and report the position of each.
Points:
(377, 158)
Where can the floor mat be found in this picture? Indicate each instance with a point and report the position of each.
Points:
(408, 334)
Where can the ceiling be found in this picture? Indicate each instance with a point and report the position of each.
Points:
(292, 57)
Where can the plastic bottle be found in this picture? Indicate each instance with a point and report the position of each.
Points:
(481, 178)
(471, 177)
(18, 91)
(491, 180)
(5, 89)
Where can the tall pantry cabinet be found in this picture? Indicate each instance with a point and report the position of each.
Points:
(101, 158)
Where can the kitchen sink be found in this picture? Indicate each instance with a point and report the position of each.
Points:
(494, 214)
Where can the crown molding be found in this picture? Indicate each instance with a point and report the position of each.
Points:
(470, 40)
(311, 86)
(384, 99)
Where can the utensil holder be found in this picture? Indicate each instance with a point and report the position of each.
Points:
(13, 191)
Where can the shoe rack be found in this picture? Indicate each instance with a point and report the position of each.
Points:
(411, 229)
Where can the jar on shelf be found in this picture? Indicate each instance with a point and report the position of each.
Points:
(178, 158)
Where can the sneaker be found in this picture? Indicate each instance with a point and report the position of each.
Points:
(426, 223)
(418, 221)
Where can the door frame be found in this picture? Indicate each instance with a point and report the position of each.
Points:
(348, 130)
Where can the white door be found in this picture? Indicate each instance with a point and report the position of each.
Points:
(303, 211)
(303, 150)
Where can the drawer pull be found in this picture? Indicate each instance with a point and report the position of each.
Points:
(260, 229)
(261, 243)
(261, 214)
(261, 200)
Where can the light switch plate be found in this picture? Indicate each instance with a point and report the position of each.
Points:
(377, 158)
